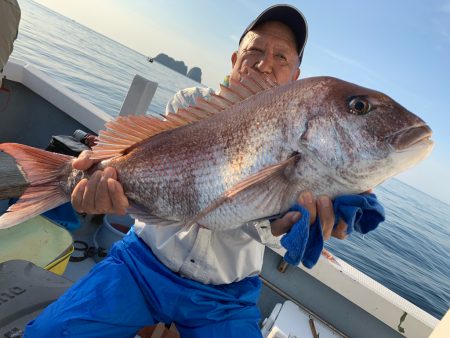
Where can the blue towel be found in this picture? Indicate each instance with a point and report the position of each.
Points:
(304, 243)
(65, 216)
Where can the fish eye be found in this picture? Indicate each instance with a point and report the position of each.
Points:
(359, 106)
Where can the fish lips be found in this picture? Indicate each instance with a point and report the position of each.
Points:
(410, 137)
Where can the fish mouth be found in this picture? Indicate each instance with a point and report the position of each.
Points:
(410, 137)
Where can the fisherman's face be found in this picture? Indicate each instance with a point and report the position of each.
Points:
(270, 49)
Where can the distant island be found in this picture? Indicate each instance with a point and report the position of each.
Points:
(195, 73)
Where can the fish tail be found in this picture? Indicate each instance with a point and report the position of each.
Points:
(44, 174)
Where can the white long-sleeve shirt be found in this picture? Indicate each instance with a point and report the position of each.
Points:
(207, 256)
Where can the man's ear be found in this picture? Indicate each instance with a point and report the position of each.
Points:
(296, 74)
(233, 59)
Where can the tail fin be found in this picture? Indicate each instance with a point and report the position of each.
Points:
(44, 173)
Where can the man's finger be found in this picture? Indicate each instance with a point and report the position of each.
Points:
(307, 200)
(118, 198)
(77, 195)
(83, 161)
(340, 231)
(103, 203)
(89, 193)
(326, 216)
(110, 172)
(284, 224)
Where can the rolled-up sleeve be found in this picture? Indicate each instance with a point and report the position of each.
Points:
(186, 97)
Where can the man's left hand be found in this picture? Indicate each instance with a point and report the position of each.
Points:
(321, 207)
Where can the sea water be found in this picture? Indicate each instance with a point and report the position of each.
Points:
(408, 253)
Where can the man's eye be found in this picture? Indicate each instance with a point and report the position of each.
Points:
(282, 57)
(256, 50)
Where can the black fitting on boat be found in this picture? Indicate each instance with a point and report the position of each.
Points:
(282, 266)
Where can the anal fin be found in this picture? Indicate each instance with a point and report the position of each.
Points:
(143, 215)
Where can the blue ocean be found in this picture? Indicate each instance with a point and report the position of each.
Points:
(409, 253)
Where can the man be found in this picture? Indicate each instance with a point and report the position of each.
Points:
(9, 27)
(205, 281)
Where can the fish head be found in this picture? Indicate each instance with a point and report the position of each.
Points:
(361, 136)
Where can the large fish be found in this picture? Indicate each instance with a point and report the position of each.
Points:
(239, 156)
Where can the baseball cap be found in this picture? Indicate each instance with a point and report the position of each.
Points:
(290, 16)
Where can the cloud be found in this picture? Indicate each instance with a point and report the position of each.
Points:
(351, 62)
(234, 38)
(441, 22)
(445, 8)
(442, 28)
(445, 32)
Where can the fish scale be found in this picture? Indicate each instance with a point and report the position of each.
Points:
(223, 157)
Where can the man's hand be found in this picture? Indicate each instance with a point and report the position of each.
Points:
(101, 194)
(321, 207)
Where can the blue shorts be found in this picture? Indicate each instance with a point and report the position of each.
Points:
(131, 289)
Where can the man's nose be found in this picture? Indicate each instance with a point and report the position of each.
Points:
(265, 64)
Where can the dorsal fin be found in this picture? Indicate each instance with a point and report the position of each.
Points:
(126, 131)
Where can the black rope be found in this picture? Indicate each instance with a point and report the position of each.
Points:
(86, 251)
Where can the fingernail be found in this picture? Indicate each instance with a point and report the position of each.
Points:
(324, 201)
(301, 199)
(111, 185)
(107, 174)
(83, 183)
(307, 197)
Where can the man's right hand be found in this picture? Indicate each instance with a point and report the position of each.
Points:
(101, 194)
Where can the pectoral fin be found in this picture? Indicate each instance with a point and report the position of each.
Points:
(268, 184)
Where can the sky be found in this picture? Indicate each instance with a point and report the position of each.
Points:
(401, 48)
